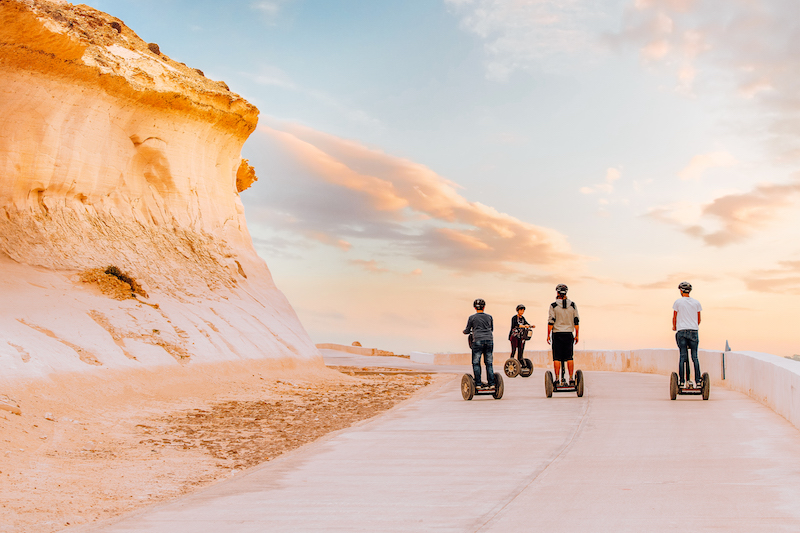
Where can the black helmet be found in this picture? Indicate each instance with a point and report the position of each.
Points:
(685, 286)
(561, 288)
(520, 306)
(479, 303)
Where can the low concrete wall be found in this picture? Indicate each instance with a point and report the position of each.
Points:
(773, 381)
(357, 350)
(769, 379)
(647, 361)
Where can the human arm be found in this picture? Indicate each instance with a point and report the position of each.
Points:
(468, 329)
(675, 320)
(577, 328)
(549, 330)
(698, 318)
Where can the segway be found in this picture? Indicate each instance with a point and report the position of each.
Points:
(512, 366)
(562, 385)
(469, 389)
(689, 388)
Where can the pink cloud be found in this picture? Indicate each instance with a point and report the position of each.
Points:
(737, 216)
(785, 279)
(399, 201)
(369, 266)
(702, 162)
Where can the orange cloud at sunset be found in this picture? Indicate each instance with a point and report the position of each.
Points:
(422, 211)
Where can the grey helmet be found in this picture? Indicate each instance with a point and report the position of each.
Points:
(520, 306)
(561, 288)
(685, 286)
(479, 303)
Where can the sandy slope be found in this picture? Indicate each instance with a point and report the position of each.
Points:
(92, 445)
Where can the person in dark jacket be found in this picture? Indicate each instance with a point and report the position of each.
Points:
(481, 325)
(519, 332)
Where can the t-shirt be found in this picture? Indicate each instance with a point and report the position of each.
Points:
(563, 316)
(687, 308)
(481, 326)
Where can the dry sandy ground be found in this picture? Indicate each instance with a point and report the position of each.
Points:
(91, 447)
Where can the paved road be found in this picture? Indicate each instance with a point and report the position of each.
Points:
(624, 458)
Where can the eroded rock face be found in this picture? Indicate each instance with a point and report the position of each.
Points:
(111, 153)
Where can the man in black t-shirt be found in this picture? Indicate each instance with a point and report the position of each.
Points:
(481, 325)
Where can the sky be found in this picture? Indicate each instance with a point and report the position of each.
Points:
(415, 155)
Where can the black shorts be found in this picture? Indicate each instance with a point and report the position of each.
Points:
(562, 346)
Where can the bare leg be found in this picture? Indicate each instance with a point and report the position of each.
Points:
(571, 368)
(557, 368)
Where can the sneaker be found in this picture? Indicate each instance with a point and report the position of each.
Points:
(572, 383)
(689, 385)
(681, 384)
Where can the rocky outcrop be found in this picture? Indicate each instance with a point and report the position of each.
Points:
(113, 154)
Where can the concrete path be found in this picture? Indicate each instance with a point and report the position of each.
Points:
(622, 459)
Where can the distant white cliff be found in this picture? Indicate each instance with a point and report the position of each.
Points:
(114, 155)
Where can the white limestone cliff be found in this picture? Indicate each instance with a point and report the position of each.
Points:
(113, 154)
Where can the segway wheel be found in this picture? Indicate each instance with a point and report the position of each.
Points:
(579, 383)
(673, 386)
(706, 386)
(527, 368)
(498, 387)
(548, 384)
(511, 368)
(467, 387)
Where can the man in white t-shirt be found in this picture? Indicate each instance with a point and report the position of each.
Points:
(685, 322)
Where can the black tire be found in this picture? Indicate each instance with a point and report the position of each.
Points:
(548, 384)
(673, 386)
(511, 368)
(579, 383)
(499, 388)
(527, 368)
(706, 386)
(467, 387)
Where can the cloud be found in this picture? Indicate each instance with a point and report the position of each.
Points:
(785, 279)
(369, 266)
(747, 51)
(700, 163)
(269, 75)
(670, 281)
(743, 47)
(268, 9)
(607, 187)
(340, 190)
(733, 217)
(520, 34)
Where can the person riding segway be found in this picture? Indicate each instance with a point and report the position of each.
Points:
(519, 333)
(480, 326)
(685, 324)
(562, 321)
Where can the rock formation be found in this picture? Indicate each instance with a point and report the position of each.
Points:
(114, 155)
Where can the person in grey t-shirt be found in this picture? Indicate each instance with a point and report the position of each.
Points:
(685, 323)
(481, 325)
